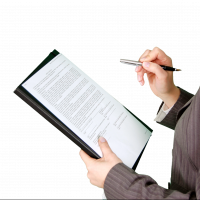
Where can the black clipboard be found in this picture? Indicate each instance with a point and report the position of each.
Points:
(42, 110)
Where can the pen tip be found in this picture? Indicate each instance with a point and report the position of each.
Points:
(178, 69)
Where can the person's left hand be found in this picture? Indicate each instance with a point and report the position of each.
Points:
(99, 168)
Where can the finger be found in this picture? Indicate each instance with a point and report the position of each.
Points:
(138, 68)
(145, 53)
(156, 54)
(140, 74)
(142, 82)
(155, 68)
(152, 55)
(86, 158)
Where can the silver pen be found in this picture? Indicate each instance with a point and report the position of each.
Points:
(137, 63)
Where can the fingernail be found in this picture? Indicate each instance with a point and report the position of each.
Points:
(146, 64)
(102, 139)
(140, 82)
(143, 58)
(136, 68)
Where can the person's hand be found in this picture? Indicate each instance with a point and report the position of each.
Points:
(99, 168)
(160, 81)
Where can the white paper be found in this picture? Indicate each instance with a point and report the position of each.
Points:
(87, 109)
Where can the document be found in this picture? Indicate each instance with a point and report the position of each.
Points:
(87, 109)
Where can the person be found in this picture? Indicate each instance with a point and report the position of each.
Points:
(180, 111)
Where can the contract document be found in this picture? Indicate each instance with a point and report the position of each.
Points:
(87, 109)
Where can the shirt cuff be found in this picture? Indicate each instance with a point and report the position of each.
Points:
(162, 113)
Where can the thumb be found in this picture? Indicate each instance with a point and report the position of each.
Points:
(105, 148)
(154, 68)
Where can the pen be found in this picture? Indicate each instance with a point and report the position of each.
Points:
(137, 63)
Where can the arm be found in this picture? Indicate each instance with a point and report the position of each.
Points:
(172, 98)
(170, 120)
(124, 183)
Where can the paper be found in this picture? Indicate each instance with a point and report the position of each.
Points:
(87, 109)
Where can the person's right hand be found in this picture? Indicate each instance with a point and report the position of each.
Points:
(160, 81)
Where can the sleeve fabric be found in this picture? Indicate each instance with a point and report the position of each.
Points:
(123, 182)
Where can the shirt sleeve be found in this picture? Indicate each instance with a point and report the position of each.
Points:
(162, 113)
